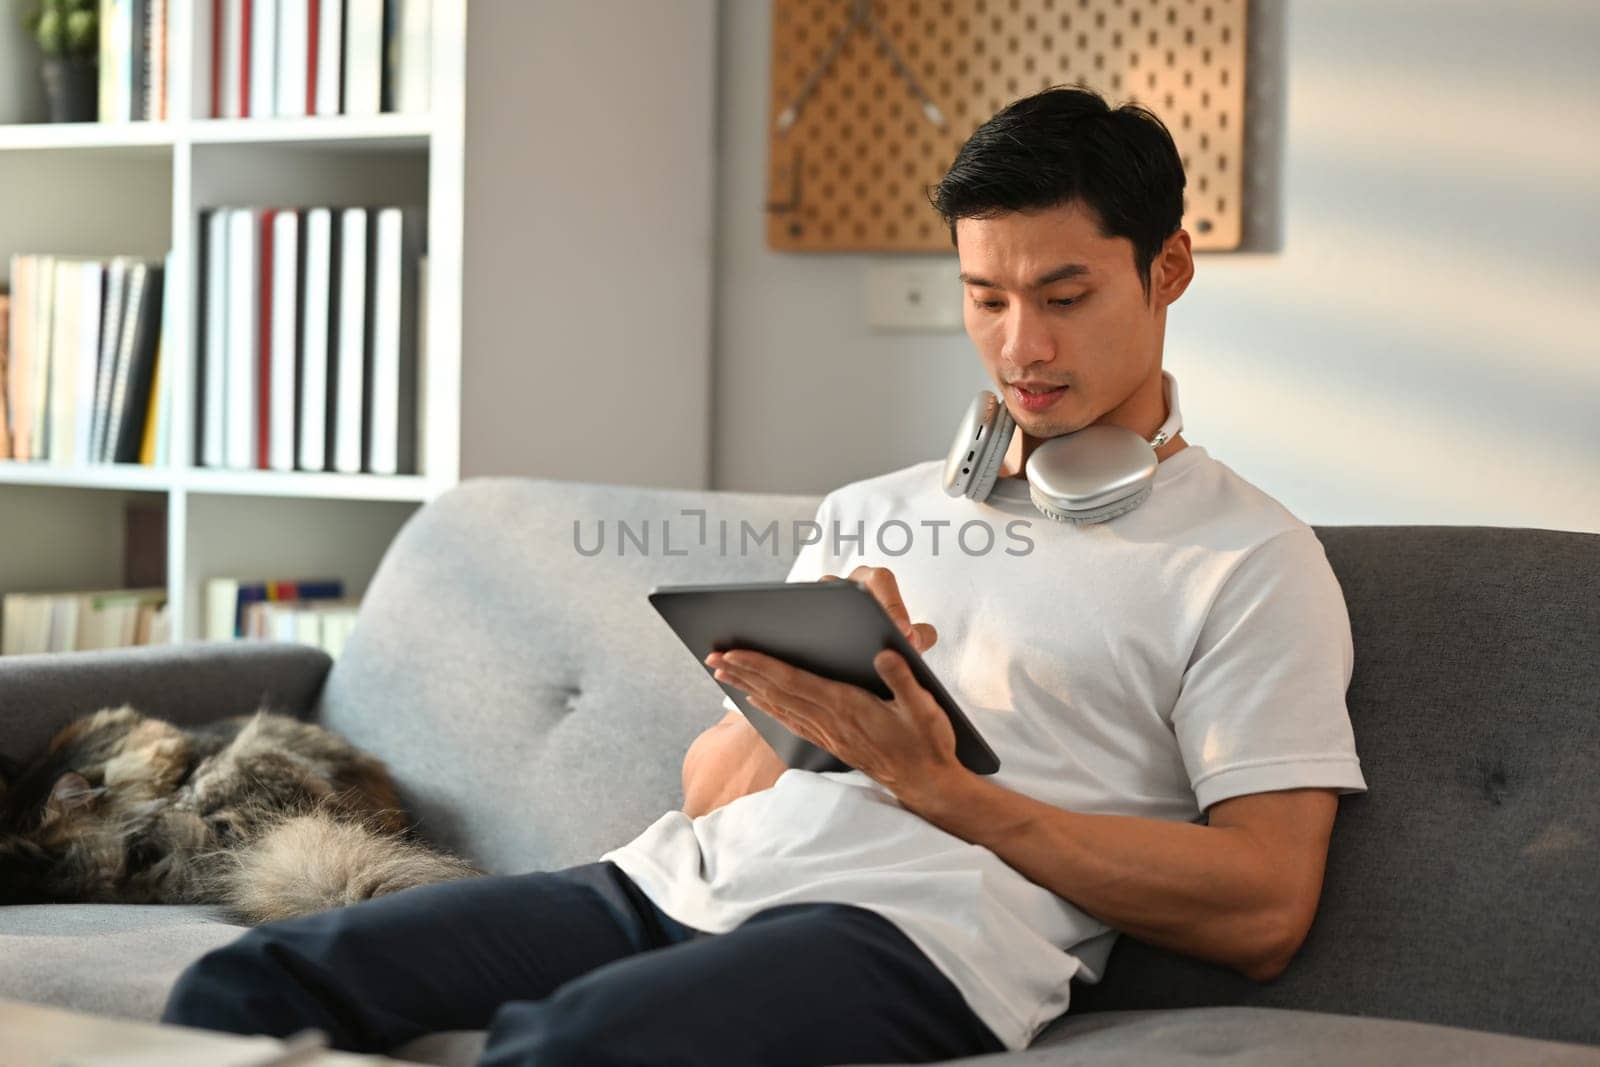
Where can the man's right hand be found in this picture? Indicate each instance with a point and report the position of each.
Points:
(731, 759)
(880, 582)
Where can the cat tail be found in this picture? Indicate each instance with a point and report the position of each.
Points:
(315, 861)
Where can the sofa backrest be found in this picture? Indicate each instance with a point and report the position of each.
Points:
(1464, 886)
(533, 707)
(536, 712)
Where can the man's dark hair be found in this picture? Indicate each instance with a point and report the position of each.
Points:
(1067, 145)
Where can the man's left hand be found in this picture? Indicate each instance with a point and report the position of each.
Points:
(904, 742)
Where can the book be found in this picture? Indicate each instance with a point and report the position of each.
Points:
(242, 374)
(153, 44)
(5, 360)
(363, 57)
(75, 349)
(284, 313)
(110, 332)
(90, 281)
(205, 48)
(320, 312)
(161, 400)
(81, 621)
(262, 101)
(350, 375)
(227, 600)
(294, 57)
(43, 316)
(232, 68)
(329, 53)
(408, 34)
(154, 422)
(19, 370)
(265, 277)
(213, 364)
(391, 427)
(130, 393)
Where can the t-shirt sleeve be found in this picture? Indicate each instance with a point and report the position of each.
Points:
(1262, 703)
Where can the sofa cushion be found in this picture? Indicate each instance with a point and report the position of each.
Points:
(534, 708)
(106, 959)
(1244, 1037)
(1460, 889)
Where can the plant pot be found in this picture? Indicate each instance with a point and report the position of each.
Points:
(73, 86)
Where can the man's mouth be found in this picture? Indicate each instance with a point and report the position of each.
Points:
(1036, 396)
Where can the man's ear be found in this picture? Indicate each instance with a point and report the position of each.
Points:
(71, 792)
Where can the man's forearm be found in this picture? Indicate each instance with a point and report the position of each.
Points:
(1204, 891)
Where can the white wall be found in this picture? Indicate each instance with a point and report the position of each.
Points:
(586, 303)
(1413, 338)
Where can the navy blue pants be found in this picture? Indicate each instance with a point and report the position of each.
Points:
(577, 966)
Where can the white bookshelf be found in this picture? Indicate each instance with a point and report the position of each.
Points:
(495, 161)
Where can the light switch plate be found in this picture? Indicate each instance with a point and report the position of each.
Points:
(914, 295)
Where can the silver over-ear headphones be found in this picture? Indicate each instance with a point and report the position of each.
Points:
(1092, 475)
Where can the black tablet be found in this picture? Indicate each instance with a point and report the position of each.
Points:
(830, 628)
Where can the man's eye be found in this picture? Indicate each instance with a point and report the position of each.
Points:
(987, 305)
(1066, 302)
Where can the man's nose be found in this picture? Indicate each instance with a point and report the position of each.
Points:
(1028, 338)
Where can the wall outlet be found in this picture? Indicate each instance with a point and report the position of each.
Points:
(914, 295)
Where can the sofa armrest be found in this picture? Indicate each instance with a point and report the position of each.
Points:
(185, 684)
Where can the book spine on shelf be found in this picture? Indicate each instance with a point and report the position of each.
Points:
(232, 59)
(208, 46)
(64, 360)
(244, 299)
(266, 277)
(320, 312)
(392, 426)
(19, 380)
(214, 363)
(330, 57)
(363, 57)
(110, 334)
(354, 341)
(44, 322)
(91, 284)
(133, 301)
(5, 375)
(294, 48)
(263, 58)
(408, 55)
(131, 395)
(285, 327)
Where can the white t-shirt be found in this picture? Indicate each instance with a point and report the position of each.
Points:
(1193, 649)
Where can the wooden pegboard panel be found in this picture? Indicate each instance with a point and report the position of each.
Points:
(850, 173)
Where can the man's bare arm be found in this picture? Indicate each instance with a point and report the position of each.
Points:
(1241, 892)
(726, 762)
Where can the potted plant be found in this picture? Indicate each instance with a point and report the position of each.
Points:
(68, 32)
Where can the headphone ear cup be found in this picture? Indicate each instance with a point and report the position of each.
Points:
(992, 453)
(979, 446)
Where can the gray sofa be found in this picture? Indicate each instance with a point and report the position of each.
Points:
(536, 713)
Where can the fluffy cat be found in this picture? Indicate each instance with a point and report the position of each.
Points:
(263, 814)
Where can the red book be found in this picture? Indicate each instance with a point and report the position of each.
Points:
(216, 59)
(315, 18)
(244, 60)
(264, 329)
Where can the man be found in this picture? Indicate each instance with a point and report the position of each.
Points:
(1165, 691)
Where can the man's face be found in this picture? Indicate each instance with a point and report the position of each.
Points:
(1038, 321)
